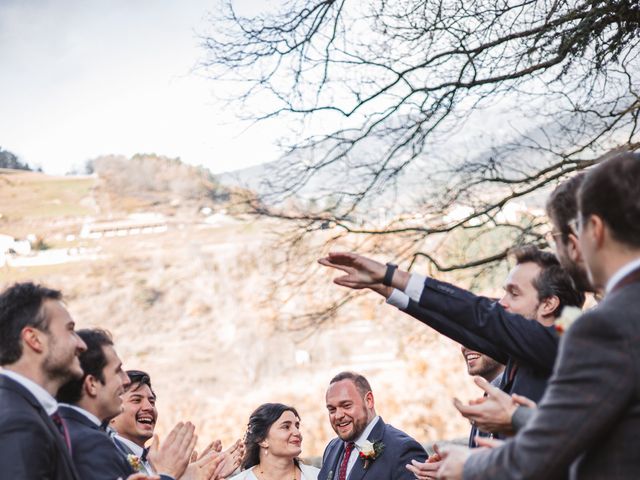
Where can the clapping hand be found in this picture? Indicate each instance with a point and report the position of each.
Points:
(452, 465)
(491, 413)
(173, 455)
(426, 470)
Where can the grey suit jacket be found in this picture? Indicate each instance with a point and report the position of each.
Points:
(399, 450)
(589, 418)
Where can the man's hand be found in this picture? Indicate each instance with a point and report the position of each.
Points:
(453, 458)
(205, 467)
(489, 442)
(172, 457)
(426, 470)
(362, 272)
(491, 413)
(233, 456)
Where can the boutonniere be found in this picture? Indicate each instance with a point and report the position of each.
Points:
(568, 316)
(370, 451)
(135, 462)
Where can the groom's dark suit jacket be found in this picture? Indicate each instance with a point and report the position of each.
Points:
(31, 447)
(399, 450)
(526, 347)
(590, 414)
(94, 453)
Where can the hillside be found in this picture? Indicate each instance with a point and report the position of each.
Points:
(190, 299)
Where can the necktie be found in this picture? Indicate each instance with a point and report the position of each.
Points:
(348, 448)
(62, 428)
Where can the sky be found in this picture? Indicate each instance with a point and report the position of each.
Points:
(84, 78)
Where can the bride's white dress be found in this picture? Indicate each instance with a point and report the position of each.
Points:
(308, 473)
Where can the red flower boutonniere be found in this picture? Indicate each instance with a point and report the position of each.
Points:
(370, 451)
(568, 316)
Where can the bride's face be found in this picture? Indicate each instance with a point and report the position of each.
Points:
(284, 438)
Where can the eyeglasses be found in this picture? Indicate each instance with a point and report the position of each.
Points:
(550, 237)
(575, 224)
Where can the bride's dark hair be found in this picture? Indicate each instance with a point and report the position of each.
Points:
(259, 424)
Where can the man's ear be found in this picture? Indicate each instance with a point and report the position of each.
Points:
(90, 386)
(573, 249)
(32, 338)
(549, 305)
(368, 400)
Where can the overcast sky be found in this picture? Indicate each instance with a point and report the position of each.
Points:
(83, 78)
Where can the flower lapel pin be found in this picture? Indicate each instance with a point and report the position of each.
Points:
(568, 316)
(134, 461)
(370, 451)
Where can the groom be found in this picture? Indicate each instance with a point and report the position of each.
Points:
(366, 447)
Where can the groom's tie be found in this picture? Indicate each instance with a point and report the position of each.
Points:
(348, 448)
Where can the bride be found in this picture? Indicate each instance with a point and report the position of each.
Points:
(272, 446)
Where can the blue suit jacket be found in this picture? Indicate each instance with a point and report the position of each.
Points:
(399, 450)
(94, 454)
(30, 444)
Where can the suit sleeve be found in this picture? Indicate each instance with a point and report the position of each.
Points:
(17, 431)
(456, 331)
(524, 340)
(587, 393)
(521, 417)
(410, 450)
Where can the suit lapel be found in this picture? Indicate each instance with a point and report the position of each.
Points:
(358, 471)
(63, 453)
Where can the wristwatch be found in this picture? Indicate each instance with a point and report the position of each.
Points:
(388, 276)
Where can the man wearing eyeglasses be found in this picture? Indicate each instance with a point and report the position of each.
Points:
(589, 417)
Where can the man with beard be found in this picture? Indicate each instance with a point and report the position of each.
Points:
(86, 403)
(366, 447)
(537, 288)
(588, 418)
(39, 351)
(497, 409)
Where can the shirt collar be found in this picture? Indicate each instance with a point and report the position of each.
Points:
(42, 396)
(84, 412)
(134, 447)
(367, 431)
(621, 273)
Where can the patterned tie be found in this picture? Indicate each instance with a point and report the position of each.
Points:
(62, 428)
(342, 474)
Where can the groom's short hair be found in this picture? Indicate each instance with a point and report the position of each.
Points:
(138, 378)
(361, 383)
(610, 191)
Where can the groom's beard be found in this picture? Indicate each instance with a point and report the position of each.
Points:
(359, 425)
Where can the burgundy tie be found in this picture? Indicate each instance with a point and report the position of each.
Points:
(62, 428)
(342, 474)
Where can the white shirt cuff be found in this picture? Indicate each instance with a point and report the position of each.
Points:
(398, 299)
(415, 286)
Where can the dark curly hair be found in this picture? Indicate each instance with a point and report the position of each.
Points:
(258, 427)
(21, 305)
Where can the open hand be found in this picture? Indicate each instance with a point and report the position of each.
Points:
(361, 272)
(491, 413)
(173, 455)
